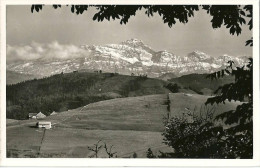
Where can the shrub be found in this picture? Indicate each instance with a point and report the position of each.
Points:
(173, 87)
(149, 154)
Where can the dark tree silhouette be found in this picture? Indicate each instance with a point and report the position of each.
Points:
(149, 153)
(95, 149)
(109, 151)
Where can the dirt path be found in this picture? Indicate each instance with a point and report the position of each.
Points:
(43, 135)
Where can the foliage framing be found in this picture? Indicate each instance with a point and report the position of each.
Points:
(230, 134)
(230, 16)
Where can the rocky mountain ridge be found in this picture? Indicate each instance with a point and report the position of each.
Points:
(129, 57)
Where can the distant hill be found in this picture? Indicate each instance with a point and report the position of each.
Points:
(68, 91)
(200, 84)
(167, 76)
(15, 77)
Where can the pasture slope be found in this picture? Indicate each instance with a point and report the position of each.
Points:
(131, 125)
(182, 103)
(200, 84)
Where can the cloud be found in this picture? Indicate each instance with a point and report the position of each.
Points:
(52, 50)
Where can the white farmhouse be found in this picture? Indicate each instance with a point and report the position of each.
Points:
(44, 124)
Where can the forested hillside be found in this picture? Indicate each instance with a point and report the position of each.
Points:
(68, 91)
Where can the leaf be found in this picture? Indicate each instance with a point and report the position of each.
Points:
(32, 8)
(232, 30)
(249, 42)
(36, 8)
(242, 13)
(242, 21)
(250, 23)
(72, 8)
(95, 16)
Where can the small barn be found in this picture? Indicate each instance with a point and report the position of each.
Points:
(32, 115)
(40, 115)
(44, 124)
(36, 115)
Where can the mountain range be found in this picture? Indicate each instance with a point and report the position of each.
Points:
(129, 57)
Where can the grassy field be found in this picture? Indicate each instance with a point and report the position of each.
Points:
(131, 125)
(74, 142)
(125, 142)
(144, 113)
(200, 84)
(23, 141)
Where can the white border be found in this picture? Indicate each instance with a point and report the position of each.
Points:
(130, 162)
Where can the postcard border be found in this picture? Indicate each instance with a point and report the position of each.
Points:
(130, 162)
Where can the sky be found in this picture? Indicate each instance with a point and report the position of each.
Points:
(51, 32)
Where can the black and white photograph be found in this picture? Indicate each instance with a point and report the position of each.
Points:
(130, 81)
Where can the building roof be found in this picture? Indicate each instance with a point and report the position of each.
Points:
(53, 113)
(44, 122)
(40, 114)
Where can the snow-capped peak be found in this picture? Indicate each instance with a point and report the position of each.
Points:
(226, 56)
(199, 55)
(130, 56)
(133, 42)
(199, 52)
